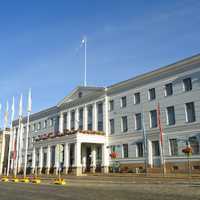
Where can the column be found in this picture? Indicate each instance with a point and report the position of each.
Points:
(69, 120)
(77, 158)
(149, 153)
(76, 119)
(66, 158)
(33, 161)
(106, 116)
(48, 166)
(105, 150)
(94, 117)
(85, 118)
(93, 158)
(105, 158)
(61, 123)
(40, 160)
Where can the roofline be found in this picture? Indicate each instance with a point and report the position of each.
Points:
(24, 119)
(159, 70)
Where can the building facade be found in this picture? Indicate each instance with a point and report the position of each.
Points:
(82, 130)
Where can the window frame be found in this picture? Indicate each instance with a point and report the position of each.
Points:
(184, 85)
(165, 91)
(149, 94)
(186, 113)
(167, 116)
(134, 98)
(122, 124)
(136, 128)
(111, 102)
(123, 105)
(150, 117)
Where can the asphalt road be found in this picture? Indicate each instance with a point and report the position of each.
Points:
(89, 191)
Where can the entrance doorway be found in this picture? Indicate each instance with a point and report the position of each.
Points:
(88, 158)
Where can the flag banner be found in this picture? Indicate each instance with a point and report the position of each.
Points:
(14, 151)
(6, 115)
(13, 110)
(21, 106)
(29, 109)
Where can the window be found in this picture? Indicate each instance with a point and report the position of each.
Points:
(152, 94)
(187, 84)
(155, 148)
(81, 118)
(125, 150)
(190, 112)
(173, 147)
(73, 120)
(124, 124)
(100, 117)
(194, 143)
(123, 102)
(168, 89)
(39, 126)
(65, 121)
(45, 123)
(112, 126)
(140, 152)
(138, 121)
(137, 98)
(51, 122)
(170, 115)
(34, 127)
(90, 117)
(111, 105)
(153, 119)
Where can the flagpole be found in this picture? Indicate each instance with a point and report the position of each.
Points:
(11, 137)
(27, 131)
(145, 143)
(85, 79)
(26, 147)
(161, 140)
(18, 137)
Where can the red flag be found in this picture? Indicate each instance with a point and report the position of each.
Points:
(14, 152)
(159, 123)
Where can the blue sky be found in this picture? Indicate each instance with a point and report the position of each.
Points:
(39, 41)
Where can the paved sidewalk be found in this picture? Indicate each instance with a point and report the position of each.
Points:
(116, 179)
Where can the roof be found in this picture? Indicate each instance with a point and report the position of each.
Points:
(158, 71)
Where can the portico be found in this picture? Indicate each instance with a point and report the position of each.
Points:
(77, 153)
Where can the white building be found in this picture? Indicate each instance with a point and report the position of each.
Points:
(91, 122)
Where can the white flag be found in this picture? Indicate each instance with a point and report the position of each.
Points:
(83, 41)
(29, 109)
(6, 116)
(13, 109)
(20, 106)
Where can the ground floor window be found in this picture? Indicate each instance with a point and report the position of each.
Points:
(140, 149)
(125, 150)
(155, 148)
(173, 147)
(194, 143)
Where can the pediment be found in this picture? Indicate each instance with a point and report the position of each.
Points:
(79, 93)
